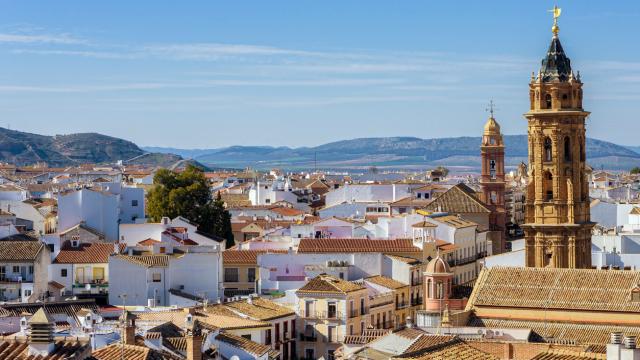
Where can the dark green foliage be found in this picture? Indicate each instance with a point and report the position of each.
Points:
(187, 194)
(635, 170)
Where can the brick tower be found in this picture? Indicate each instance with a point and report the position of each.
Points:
(557, 220)
(492, 181)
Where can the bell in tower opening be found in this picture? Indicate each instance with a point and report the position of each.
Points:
(557, 219)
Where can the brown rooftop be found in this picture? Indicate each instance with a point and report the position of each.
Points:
(324, 283)
(357, 246)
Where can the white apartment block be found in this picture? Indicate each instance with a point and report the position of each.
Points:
(102, 208)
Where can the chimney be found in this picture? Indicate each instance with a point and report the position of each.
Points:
(614, 346)
(628, 350)
(41, 342)
(194, 342)
(194, 347)
(129, 329)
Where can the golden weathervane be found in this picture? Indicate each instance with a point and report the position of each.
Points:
(556, 14)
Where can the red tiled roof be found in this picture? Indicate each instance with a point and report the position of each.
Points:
(356, 245)
(85, 253)
(285, 211)
(148, 242)
(245, 257)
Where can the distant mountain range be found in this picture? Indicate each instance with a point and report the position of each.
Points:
(392, 153)
(23, 148)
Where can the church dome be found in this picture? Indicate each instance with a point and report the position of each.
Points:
(437, 266)
(492, 127)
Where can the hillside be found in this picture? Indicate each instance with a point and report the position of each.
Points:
(23, 148)
(394, 152)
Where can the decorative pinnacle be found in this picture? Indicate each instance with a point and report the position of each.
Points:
(556, 14)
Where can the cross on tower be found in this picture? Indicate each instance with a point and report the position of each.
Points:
(491, 108)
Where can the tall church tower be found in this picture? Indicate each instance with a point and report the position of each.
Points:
(557, 220)
(492, 181)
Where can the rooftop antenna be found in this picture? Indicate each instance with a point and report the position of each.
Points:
(123, 296)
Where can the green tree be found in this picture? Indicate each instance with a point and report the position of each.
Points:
(444, 170)
(187, 194)
(635, 170)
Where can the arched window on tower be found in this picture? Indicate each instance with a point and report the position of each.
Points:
(547, 101)
(582, 154)
(567, 149)
(548, 147)
(548, 186)
(429, 289)
(439, 290)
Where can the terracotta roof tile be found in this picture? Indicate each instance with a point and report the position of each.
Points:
(389, 283)
(568, 355)
(260, 309)
(19, 350)
(146, 260)
(455, 221)
(85, 253)
(19, 250)
(324, 283)
(286, 211)
(588, 334)
(450, 351)
(131, 352)
(458, 199)
(148, 242)
(245, 257)
(247, 345)
(356, 245)
(566, 289)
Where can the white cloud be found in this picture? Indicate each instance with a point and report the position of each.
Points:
(213, 51)
(81, 53)
(43, 38)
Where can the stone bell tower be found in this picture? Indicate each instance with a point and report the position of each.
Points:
(492, 181)
(557, 219)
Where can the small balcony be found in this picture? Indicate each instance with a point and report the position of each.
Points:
(91, 288)
(416, 302)
(16, 279)
(384, 325)
(401, 305)
(326, 315)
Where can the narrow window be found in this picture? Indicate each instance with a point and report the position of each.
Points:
(547, 99)
(567, 149)
(548, 147)
(548, 186)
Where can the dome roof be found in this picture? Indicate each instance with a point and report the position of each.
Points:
(437, 266)
(492, 127)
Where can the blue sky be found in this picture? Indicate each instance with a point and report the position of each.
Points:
(300, 73)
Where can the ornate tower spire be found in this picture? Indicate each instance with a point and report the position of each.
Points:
(557, 220)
